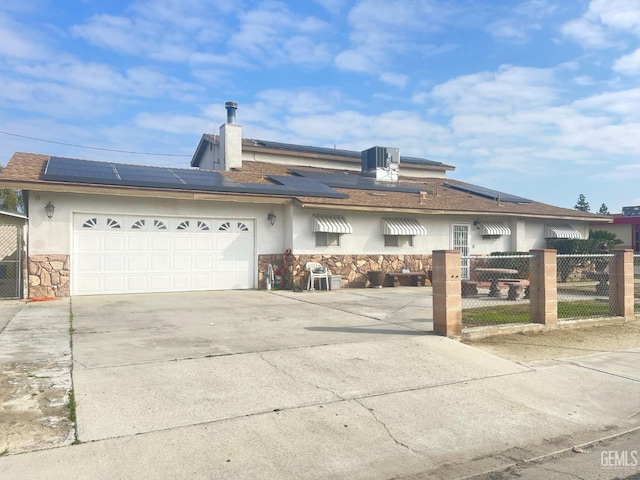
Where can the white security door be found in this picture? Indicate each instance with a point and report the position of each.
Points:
(139, 254)
(460, 241)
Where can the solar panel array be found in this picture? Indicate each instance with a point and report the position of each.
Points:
(104, 173)
(487, 193)
(356, 181)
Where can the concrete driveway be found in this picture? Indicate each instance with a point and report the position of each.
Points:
(342, 384)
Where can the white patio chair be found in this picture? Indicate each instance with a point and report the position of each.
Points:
(317, 272)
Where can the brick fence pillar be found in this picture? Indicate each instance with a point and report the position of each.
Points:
(621, 284)
(447, 294)
(543, 280)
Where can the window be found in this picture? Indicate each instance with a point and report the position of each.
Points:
(398, 240)
(183, 225)
(327, 239)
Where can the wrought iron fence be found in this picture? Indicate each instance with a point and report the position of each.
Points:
(496, 291)
(583, 286)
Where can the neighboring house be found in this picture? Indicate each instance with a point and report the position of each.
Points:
(626, 227)
(119, 228)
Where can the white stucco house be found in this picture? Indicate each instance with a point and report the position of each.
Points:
(244, 204)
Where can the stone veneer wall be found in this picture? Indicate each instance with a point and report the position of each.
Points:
(352, 268)
(48, 276)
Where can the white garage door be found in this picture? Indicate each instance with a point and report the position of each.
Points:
(138, 254)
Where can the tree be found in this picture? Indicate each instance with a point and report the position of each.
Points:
(603, 210)
(10, 199)
(582, 204)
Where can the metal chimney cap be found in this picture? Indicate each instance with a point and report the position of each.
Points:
(231, 111)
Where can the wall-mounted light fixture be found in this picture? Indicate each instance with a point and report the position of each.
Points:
(49, 208)
(272, 218)
(476, 223)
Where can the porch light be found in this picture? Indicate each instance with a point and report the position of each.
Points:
(49, 208)
(272, 218)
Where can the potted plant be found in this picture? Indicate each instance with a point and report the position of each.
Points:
(376, 278)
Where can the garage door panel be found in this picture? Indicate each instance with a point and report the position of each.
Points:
(113, 284)
(160, 244)
(88, 243)
(182, 263)
(137, 243)
(159, 263)
(114, 243)
(160, 283)
(137, 283)
(87, 284)
(114, 263)
(88, 263)
(147, 254)
(182, 243)
(137, 263)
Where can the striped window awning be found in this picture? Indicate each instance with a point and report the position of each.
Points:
(402, 226)
(489, 228)
(561, 231)
(330, 224)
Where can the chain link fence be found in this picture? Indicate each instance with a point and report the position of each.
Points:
(583, 286)
(636, 282)
(496, 290)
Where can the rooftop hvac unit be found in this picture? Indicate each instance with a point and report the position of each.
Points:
(381, 162)
(631, 211)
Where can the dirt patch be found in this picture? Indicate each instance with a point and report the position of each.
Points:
(34, 413)
(562, 343)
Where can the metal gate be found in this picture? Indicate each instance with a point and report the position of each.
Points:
(10, 261)
(460, 241)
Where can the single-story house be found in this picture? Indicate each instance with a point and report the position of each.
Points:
(625, 225)
(246, 205)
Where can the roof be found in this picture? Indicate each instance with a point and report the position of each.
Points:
(347, 156)
(276, 183)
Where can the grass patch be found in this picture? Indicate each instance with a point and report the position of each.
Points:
(4, 453)
(519, 313)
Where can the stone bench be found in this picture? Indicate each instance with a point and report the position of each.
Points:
(515, 287)
(469, 288)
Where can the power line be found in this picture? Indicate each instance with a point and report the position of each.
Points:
(96, 148)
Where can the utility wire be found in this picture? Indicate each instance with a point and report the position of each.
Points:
(96, 148)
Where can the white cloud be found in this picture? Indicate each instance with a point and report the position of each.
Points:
(624, 103)
(384, 30)
(603, 20)
(397, 79)
(101, 78)
(628, 64)
(19, 42)
(503, 91)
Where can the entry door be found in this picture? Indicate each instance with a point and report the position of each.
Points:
(460, 241)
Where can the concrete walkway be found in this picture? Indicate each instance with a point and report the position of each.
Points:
(341, 384)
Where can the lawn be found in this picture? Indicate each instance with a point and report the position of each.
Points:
(519, 313)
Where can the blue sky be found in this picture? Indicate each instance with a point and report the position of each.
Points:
(537, 98)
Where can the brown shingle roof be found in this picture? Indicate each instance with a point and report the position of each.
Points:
(25, 170)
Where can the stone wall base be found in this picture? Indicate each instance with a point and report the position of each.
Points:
(352, 268)
(48, 276)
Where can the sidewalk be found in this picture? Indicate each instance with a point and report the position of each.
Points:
(350, 387)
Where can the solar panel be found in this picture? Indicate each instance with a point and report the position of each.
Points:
(105, 173)
(72, 169)
(356, 181)
(138, 175)
(487, 193)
